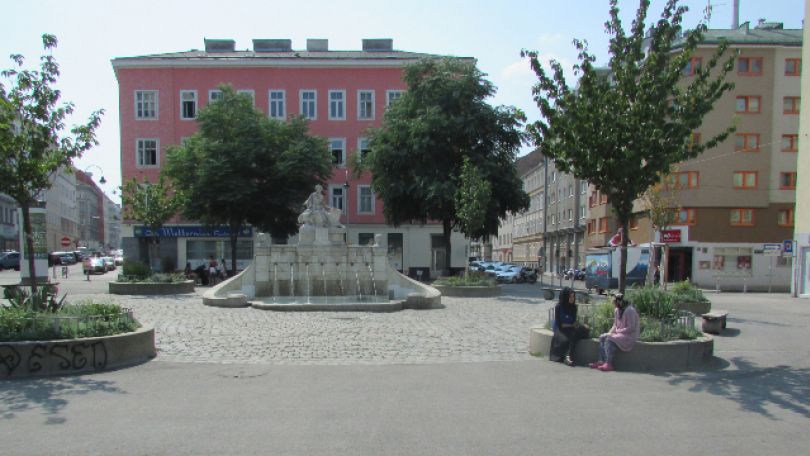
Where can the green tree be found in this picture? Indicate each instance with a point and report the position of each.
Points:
(416, 156)
(151, 204)
(242, 167)
(472, 198)
(32, 145)
(622, 130)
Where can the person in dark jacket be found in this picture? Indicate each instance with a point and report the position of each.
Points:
(566, 329)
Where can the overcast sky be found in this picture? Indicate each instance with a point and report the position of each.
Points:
(91, 33)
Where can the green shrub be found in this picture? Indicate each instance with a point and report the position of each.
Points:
(651, 302)
(87, 319)
(469, 280)
(651, 329)
(136, 269)
(683, 292)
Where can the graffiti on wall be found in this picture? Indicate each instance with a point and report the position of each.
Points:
(59, 357)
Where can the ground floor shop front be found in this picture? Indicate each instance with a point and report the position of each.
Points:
(418, 251)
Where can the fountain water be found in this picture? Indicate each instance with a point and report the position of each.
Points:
(309, 286)
(275, 282)
(373, 282)
(292, 281)
(323, 281)
(357, 280)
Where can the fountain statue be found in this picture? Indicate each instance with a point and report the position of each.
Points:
(321, 271)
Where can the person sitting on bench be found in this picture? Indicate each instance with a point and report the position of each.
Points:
(566, 329)
(622, 335)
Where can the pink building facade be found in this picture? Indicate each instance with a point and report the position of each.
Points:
(342, 93)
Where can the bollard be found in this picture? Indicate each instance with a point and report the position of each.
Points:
(745, 285)
(54, 271)
(88, 274)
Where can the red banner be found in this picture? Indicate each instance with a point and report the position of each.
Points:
(671, 236)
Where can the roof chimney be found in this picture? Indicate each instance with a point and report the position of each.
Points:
(220, 45)
(272, 45)
(735, 15)
(317, 45)
(378, 44)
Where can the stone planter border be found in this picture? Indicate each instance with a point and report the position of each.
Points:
(151, 288)
(469, 292)
(76, 356)
(678, 355)
(697, 308)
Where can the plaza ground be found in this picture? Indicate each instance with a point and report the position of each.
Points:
(454, 380)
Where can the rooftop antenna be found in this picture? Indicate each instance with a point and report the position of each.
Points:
(707, 11)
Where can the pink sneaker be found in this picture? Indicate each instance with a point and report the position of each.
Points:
(605, 367)
(595, 365)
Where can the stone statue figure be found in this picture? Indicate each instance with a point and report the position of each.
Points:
(320, 224)
(315, 212)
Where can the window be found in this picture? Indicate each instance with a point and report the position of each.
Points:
(277, 104)
(146, 104)
(694, 141)
(392, 96)
(749, 66)
(583, 187)
(250, 93)
(733, 259)
(784, 217)
(308, 104)
(570, 215)
(748, 104)
(365, 200)
(591, 227)
(337, 105)
(683, 179)
(552, 198)
(554, 176)
(790, 143)
(603, 225)
(362, 148)
(188, 104)
(603, 198)
(747, 142)
(214, 95)
(741, 217)
(793, 67)
(365, 238)
(338, 148)
(336, 197)
(787, 181)
(582, 211)
(791, 105)
(146, 153)
(692, 66)
(684, 217)
(745, 179)
(571, 191)
(365, 104)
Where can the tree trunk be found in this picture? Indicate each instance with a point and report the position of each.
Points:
(447, 253)
(29, 247)
(153, 251)
(624, 222)
(234, 235)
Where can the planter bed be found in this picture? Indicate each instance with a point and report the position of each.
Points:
(677, 355)
(73, 356)
(469, 292)
(151, 288)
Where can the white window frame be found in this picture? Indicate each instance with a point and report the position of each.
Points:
(342, 141)
(282, 101)
(137, 102)
(368, 116)
(212, 93)
(342, 206)
(360, 189)
(250, 92)
(360, 147)
(342, 104)
(389, 93)
(138, 153)
(182, 101)
(314, 102)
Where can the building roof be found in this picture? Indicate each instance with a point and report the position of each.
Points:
(763, 34)
(528, 162)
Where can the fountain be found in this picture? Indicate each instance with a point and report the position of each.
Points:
(321, 241)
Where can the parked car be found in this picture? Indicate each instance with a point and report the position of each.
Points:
(109, 263)
(67, 259)
(529, 274)
(119, 259)
(10, 260)
(496, 269)
(511, 274)
(576, 274)
(93, 265)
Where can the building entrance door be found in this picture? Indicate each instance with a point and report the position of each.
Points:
(438, 263)
(679, 266)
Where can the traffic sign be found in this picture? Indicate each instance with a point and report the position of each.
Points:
(65, 241)
(772, 249)
(787, 246)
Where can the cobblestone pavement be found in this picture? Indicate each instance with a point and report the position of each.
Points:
(464, 330)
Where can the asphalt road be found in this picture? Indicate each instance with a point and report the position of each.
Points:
(755, 400)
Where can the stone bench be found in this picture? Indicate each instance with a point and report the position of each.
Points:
(676, 355)
(714, 322)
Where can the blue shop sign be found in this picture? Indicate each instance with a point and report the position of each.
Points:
(192, 231)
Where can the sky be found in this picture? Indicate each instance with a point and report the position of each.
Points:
(92, 32)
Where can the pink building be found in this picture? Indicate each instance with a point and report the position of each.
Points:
(343, 93)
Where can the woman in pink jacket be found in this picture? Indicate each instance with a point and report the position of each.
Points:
(622, 335)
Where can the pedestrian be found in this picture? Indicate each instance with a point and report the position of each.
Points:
(657, 276)
(567, 331)
(622, 335)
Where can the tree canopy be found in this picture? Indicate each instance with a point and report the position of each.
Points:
(242, 167)
(151, 204)
(623, 127)
(442, 119)
(32, 144)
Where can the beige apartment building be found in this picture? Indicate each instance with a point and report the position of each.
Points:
(801, 267)
(736, 202)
